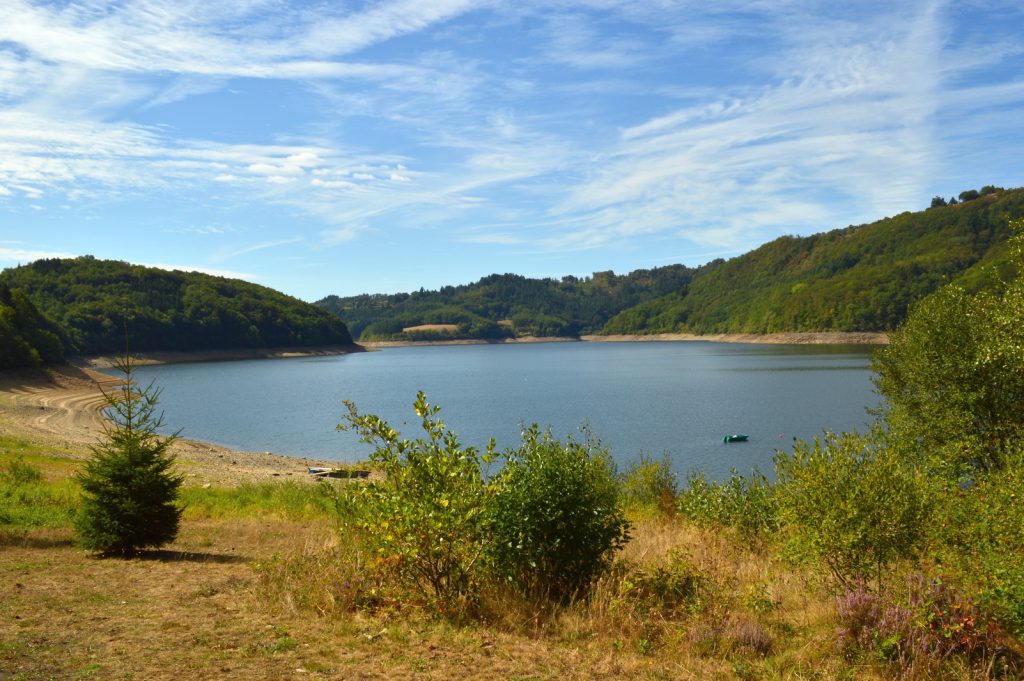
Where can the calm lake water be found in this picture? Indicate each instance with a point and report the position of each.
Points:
(679, 398)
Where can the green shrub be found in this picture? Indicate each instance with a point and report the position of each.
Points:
(651, 483)
(425, 520)
(981, 541)
(555, 520)
(853, 503)
(953, 375)
(128, 491)
(746, 504)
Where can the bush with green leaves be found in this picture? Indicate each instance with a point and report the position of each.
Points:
(651, 483)
(746, 504)
(546, 524)
(853, 503)
(980, 532)
(425, 520)
(129, 492)
(554, 515)
(953, 375)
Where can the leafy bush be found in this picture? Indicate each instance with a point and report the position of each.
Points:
(852, 503)
(981, 541)
(546, 524)
(651, 483)
(953, 375)
(425, 520)
(747, 504)
(554, 518)
(128, 490)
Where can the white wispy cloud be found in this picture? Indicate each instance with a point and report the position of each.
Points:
(27, 255)
(251, 248)
(594, 125)
(229, 274)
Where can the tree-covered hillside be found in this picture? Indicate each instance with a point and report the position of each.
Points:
(854, 279)
(27, 338)
(508, 304)
(861, 278)
(91, 299)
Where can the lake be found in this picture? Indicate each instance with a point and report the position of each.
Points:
(649, 397)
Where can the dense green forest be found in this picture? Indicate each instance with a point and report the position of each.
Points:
(526, 307)
(859, 278)
(93, 301)
(27, 338)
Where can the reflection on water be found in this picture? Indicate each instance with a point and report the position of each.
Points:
(651, 397)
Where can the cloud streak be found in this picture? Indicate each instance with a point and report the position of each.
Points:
(594, 126)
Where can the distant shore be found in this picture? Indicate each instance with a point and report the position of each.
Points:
(175, 357)
(794, 338)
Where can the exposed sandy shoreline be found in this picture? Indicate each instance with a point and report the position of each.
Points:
(803, 338)
(107, 361)
(60, 408)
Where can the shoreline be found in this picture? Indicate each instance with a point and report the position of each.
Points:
(215, 355)
(787, 338)
(59, 408)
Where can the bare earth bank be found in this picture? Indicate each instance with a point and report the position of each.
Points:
(802, 338)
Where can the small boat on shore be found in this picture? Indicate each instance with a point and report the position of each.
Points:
(735, 438)
(319, 472)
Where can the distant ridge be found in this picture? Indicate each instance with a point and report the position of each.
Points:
(90, 301)
(855, 279)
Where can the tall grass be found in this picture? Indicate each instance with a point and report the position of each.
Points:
(28, 501)
(287, 500)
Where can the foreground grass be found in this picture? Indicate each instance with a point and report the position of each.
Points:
(259, 586)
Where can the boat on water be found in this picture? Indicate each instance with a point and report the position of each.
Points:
(735, 438)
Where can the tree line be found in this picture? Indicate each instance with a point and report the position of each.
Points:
(86, 306)
(858, 278)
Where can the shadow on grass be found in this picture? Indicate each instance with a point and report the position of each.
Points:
(189, 557)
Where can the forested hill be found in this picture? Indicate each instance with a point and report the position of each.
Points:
(853, 279)
(27, 338)
(89, 300)
(504, 305)
(861, 278)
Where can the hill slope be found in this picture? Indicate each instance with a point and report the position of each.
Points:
(27, 338)
(507, 304)
(91, 299)
(861, 278)
(854, 279)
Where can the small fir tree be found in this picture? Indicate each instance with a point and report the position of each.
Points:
(129, 491)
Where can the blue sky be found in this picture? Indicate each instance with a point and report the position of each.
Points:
(350, 147)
